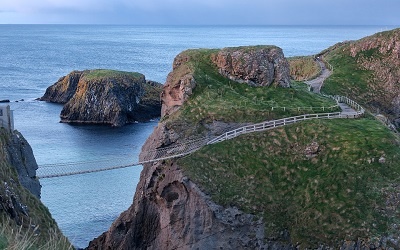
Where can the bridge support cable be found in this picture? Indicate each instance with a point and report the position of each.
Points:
(350, 108)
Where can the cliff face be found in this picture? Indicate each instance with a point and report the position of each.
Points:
(105, 97)
(22, 215)
(179, 86)
(381, 55)
(19, 154)
(257, 66)
(169, 211)
(16, 153)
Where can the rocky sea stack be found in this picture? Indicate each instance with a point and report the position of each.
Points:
(105, 97)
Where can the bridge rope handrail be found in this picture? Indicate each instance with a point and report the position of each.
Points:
(189, 147)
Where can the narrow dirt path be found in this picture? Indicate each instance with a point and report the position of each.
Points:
(317, 83)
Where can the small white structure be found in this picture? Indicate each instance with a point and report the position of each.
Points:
(6, 117)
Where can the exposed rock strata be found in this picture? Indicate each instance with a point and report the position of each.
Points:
(170, 212)
(257, 66)
(20, 155)
(179, 86)
(27, 219)
(105, 97)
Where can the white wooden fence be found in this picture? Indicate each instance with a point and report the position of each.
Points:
(358, 111)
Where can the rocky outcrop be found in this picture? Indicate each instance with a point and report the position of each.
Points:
(18, 153)
(179, 86)
(105, 97)
(22, 214)
(257, 66)
(170, 212)
(64, 89)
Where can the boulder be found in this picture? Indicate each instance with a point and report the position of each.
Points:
(256, 66)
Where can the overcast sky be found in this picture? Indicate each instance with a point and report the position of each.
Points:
(198, 12)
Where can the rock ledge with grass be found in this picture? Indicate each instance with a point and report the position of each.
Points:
(105, 97)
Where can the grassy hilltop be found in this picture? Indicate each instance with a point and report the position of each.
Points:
(219, 98)
(322, 181)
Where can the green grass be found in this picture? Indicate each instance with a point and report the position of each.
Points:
(303, 68)
(16, 236)
(215, 97)
(107, 73)
(335, 195)
(348, 78)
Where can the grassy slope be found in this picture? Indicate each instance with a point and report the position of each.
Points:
(333, 196)
(14, 236)
(102, 73)
(371, 75)
(348, 78)
(218, 98)
(303, 68)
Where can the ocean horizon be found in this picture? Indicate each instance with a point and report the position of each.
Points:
(34, 56)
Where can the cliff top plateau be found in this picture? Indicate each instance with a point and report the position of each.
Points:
(318, 183)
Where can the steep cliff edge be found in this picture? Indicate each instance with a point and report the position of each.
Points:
(20, 155)
(25, 221)
(105, 97)
(316, 184)
(169, 210)
(368, 70)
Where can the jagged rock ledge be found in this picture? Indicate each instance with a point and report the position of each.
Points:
(105, 97)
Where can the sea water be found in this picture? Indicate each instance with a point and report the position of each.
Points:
(32, 57)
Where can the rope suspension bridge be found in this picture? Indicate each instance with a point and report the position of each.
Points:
(350, 109)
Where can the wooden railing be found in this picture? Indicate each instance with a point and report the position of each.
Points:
(285, 121)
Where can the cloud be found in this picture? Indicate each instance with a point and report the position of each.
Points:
(262, 12)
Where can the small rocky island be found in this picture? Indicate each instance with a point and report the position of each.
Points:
(103, 96)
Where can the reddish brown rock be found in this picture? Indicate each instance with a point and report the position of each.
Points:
(170, 212)
(257, 66)
(179, 86)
